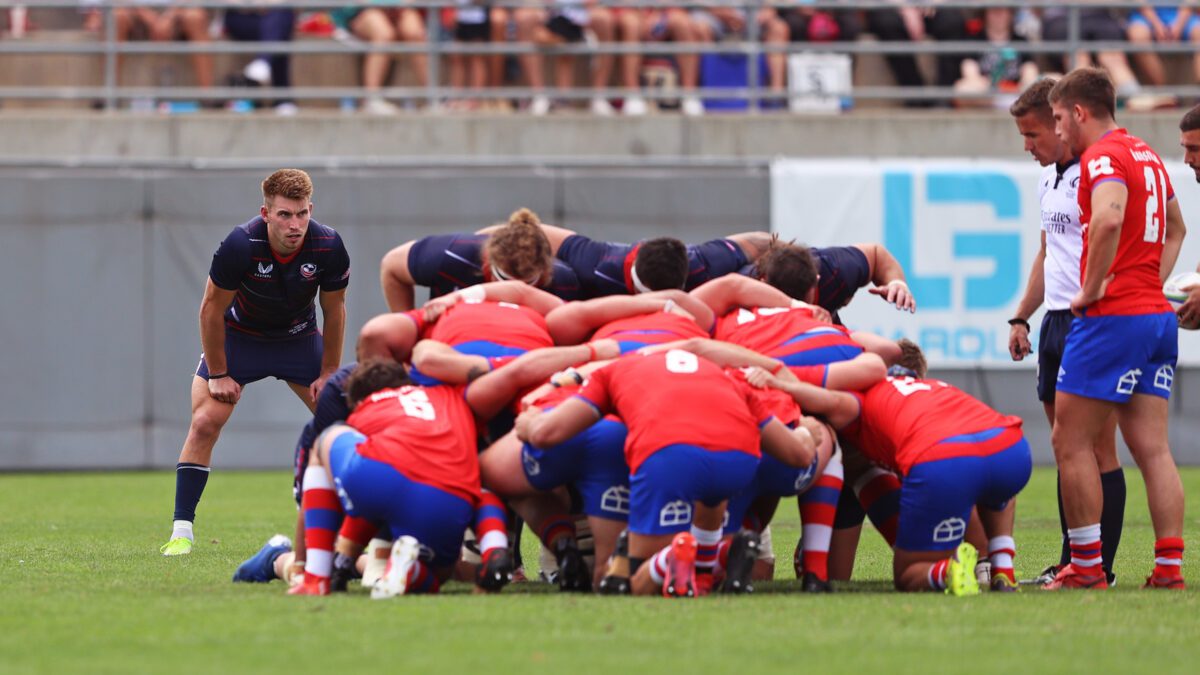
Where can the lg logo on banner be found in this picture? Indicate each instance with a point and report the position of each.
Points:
(989, 291)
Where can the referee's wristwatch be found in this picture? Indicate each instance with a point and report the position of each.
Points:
(1018, 321)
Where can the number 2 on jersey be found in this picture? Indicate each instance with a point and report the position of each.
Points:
(1154, 185)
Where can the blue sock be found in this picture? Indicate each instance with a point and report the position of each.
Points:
(190, 480)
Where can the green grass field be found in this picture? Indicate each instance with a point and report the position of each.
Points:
(82, 588)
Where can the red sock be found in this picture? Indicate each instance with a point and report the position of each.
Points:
(937, 575)
(879, 493)
(1085, 548)
(421, 580)
(358, 530)
(554, 528)
(1001, 551)
(491, 526)
(322, 518)
(1168, 557)
(818, 509)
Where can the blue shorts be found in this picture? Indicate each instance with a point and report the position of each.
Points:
(773, 478)
(1114, 357)
(378, 492)
(483, 348)
(712, 260)
(249, 359)
(1167, 15)
(593, 461)
(1052, 339)
(936, 497)
(819, 356)
(669, 481)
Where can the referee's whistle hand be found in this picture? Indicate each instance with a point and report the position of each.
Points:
(1018, 343)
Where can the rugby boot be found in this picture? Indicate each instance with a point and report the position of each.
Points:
(495, 570)
(960, 573)
(680, 579)
(311, 585)
(344, 570)
(260, 568)
(1172, 582)
(811, 583)
(405, 553)
(616, 576)
(743, 551)
(1071, 576)
(573, 573)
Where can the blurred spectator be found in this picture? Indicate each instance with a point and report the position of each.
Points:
(1005, 72)
(270, 25)
(806, 24)
(915, 24)
(565, 23)
(721, 23)
(652, 24)
(1163, 24)
(159, 21)
(382, 26)
(477, 21)
(1095, 25)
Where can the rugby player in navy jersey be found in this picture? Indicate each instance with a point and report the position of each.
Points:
(517, 250)
(258, 320)
(659, 264)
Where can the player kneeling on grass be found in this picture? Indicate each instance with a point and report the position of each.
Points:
(693, 441)
(952, 453)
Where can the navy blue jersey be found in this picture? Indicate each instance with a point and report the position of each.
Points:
(448, 262)
(605, 268)
(331, 407)
(843, 270)
(275, 295)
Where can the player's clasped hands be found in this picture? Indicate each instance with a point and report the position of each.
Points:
(897, 293)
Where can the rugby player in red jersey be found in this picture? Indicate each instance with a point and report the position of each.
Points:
(1121, 352)
(634, 321)
(694, 440)
(952, 452)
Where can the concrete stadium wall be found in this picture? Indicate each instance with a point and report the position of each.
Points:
(105, 269)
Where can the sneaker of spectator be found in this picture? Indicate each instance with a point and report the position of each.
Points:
(720, 23)
(650, 25)
(1162, 24)
(271, 25)
(1003, 71)
(1095, 25)
(564, 23)
(162, 22)
(378, 27)
(915, 24)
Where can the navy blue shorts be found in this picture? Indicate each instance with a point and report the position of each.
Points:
(936, 497)
(249, 359)
(593, 461)
(378, 492)
(1052, 339)
(1111, 358)
(669, 481)
(773, 478)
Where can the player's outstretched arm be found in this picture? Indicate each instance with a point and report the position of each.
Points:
(753, 244)
(1035, 290)
(396, 280)
(494, 391)
(1104, 234)
(724, 354)
(212, 339)
(388, 336)
(546, 430)
(1176, 231)
(734, 290)
(333, 335)
(797, 448)
(888, 350)
(856, 374)
(888, 277)
(446, 364)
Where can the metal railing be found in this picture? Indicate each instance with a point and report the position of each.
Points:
(110, 49)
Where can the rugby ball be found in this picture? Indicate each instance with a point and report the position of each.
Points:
(1176, 290)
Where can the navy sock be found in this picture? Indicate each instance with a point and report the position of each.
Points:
(1065, 558)
(190, 480)
(1112, 518)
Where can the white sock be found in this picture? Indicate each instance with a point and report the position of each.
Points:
(183, 528)
(658, 565)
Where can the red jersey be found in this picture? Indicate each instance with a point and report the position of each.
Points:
(675, 397)
(1136, 287)
(656, 328)
(790, 334)
(501, 323)
(903, 421)
(425, 433)
(780, 404)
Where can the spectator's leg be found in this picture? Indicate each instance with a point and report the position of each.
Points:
(774, 32)
(948, 25)
(495, 64)
(601, 22)
(1148, 63)
(410, 27)
(888, 26)
(279, 25)
(372, 26)
(530, 26)
(681, 28)
(193, 23)
(630, 30)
